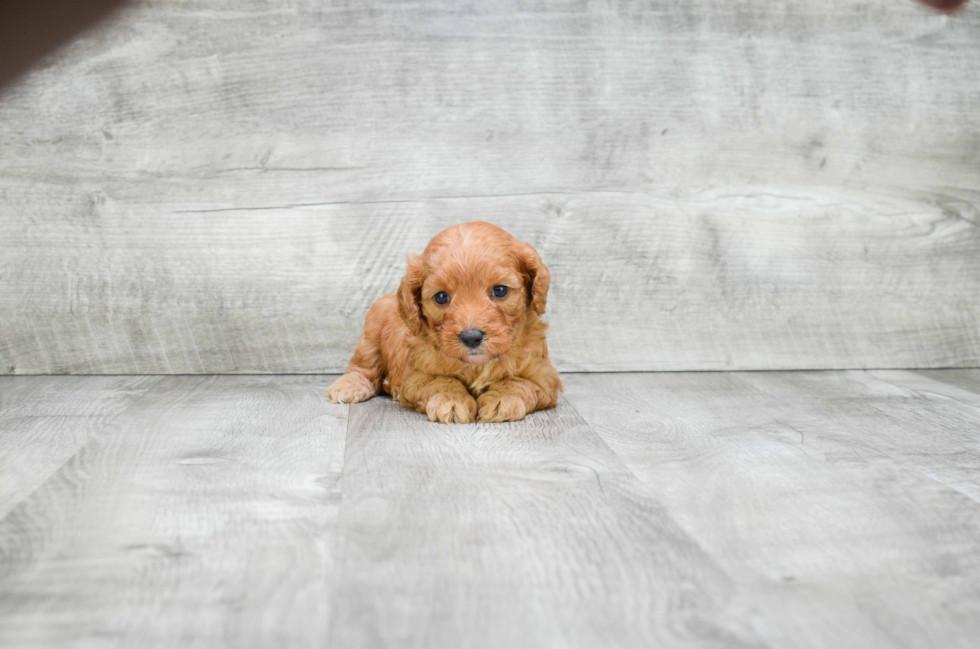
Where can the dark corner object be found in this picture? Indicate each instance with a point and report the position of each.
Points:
(31, 29)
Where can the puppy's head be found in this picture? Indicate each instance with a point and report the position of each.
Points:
(471, 291)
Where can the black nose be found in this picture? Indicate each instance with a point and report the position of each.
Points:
(471, 338)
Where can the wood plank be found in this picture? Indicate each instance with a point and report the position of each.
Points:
(202, 516)
(525, 534)
(963, 379)
(920, 424)
(840, 503)
(44, 420)
(218, 187)
(661, 285)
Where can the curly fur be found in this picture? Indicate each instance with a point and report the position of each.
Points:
(410, 345)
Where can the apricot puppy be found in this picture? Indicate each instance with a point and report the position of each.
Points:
(462, 340)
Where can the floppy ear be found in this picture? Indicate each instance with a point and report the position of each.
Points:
(538, 278)
(410, 295)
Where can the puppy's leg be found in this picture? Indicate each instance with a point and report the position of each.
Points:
(512, 398)
(362, 379)
(353, 387)
(442, 398)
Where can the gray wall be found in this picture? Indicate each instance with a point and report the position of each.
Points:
(225, 186)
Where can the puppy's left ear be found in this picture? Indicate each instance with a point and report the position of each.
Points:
(538, 278)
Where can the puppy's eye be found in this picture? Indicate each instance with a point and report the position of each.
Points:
(441, 297)
(500, 291)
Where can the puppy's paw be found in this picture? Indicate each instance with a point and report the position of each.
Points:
(352, 388)
(449, 408)
(497, 406)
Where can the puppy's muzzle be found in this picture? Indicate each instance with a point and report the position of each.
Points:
(472, 338)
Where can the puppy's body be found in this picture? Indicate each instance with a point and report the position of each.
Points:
(479, 355)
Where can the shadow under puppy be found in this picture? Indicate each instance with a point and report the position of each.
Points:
(462, 340)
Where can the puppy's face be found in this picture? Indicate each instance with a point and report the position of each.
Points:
(470, 292)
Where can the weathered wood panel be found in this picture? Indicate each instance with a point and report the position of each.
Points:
(203, 516)
(225, 187)
(844, 505)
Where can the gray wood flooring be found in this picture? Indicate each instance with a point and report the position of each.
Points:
(789, 509)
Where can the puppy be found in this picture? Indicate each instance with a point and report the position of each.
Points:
(462, 340)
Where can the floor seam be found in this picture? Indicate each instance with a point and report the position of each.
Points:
(79, 448)
(623, 465)
(898, 461)
(339, 544)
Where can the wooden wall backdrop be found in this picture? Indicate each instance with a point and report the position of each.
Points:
(226, 185)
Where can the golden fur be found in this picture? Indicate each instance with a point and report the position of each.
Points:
(411, 348)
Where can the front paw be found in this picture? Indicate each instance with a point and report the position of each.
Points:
(352, 388)
(496, 406)
(449, 408)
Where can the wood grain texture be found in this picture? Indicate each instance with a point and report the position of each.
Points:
(225, 187)
(844, 505)
(963, 379)
(45, 420)
(202, 516)
(803, 509)
(531, 534)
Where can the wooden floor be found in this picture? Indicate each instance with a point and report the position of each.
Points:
(798, 509)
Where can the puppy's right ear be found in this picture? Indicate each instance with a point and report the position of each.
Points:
(410, 295)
